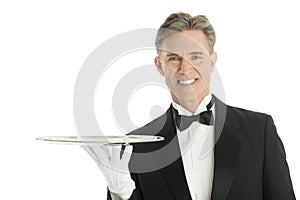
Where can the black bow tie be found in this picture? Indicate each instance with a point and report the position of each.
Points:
(206, 117)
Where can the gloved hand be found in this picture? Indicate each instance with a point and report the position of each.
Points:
(114, 168)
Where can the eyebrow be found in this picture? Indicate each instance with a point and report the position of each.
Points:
(172, 54)
(191, 53)
(196, 52)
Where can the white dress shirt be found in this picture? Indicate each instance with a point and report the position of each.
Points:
(198, 162)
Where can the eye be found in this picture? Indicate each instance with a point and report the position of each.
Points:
(174, 58)
(195, 57)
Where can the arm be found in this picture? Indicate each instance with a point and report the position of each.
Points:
(136, 194)
(276, 179)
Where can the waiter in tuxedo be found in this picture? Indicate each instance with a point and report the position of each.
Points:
(211, 150)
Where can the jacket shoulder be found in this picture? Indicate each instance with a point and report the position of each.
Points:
(247, 115)
(153, 127)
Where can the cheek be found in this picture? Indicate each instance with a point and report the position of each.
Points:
(169, 78)
(168, 73)
(203, 70)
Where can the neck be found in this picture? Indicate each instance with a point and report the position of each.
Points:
(190, 105)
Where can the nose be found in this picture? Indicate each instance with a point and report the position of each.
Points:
(185, 67)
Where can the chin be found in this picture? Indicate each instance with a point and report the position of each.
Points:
(187, 97)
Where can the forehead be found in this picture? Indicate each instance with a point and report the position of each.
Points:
(186, 41)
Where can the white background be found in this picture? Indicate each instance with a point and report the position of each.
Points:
(43, 45)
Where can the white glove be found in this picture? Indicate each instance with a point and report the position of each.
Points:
(114, 169)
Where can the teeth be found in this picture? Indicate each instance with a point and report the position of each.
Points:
(186, 82)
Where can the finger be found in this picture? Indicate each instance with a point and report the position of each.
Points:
(119, 151)
(116, 163)
(115, 157)
(127, 153)
(126, 158)
(106, 149)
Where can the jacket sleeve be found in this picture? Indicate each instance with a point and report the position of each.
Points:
(277, 182)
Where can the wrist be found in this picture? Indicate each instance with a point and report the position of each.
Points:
(122, 191)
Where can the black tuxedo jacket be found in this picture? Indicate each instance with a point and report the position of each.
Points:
(250, 161)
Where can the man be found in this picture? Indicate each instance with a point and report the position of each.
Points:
(211, 150)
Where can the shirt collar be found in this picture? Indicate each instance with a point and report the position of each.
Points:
(201, 107)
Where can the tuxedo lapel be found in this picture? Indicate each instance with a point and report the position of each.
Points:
(173, 174)
(164, 156)
(226, 151)
(174, 177)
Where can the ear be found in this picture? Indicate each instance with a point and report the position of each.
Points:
(158, 65)
(213, 59)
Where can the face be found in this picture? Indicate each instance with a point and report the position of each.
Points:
(186, 64)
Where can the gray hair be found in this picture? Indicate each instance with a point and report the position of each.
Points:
(179, 22)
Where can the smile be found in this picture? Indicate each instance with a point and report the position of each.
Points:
(187, 82)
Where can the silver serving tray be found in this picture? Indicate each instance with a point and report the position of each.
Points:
(101, 140)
